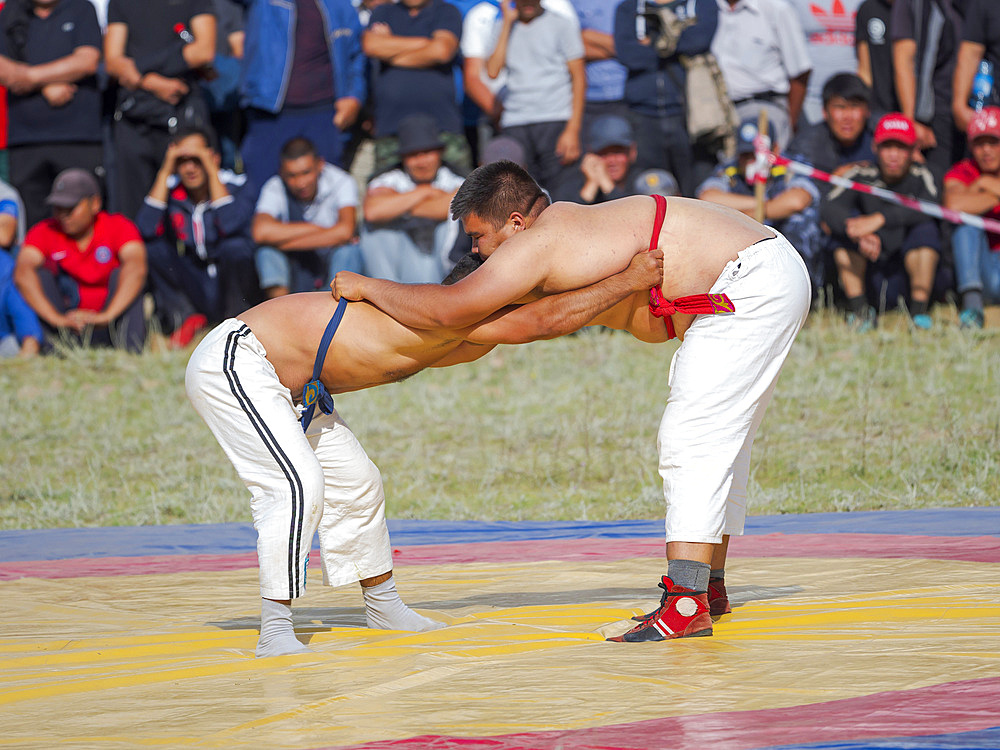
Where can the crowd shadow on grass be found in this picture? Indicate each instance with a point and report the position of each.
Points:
(354, 617)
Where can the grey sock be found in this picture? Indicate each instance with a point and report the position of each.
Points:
(689, 573)
(718, 573)
(277, 636)
(386, 611)
(972, 299)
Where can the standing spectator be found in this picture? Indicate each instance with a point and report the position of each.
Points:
(408, 233)
(49, 52)
(305, 223)
(791, 201)
(542, 54)
(415, 46)
(195, 221)
(83, 271)
(925, 40)
(761, 50)
(303, 72)
(605, 74)
(973, 186)
(654, 88)
(156, 51)
(883, 251)
(223, 91)
(607, 170)
(874, 52)
(980, 43)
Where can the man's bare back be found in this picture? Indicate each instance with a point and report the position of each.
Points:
(570, 246)
(370, 348)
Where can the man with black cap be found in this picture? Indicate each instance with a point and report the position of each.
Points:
(608, 168)
(791, 201)
(83, 271)
(407, 235)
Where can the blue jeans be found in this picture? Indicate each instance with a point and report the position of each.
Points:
(976, 266)
(306, 270)
(394, 255)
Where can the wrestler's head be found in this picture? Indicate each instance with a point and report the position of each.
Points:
(466, 265)
(496, 201)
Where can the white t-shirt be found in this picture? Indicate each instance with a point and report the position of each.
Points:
(481, 29)
(538, 81)
(336, 190)
(760, 46)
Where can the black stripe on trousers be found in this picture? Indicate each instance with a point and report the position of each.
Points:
(295, 584)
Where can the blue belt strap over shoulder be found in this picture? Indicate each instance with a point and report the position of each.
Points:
(314, 392)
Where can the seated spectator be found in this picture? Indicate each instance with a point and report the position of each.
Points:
(973, 186)
(791, 201)
(542, 54)
(883, 248)
(195, 221)
(20, 330)
(607, 171)
(408, 234)
(843, 139)
(414, 45)
(305, 223)
(83, 271)
(50, 52)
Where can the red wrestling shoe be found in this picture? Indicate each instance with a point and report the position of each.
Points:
(718, 600)
(683, 614)
(187, 330)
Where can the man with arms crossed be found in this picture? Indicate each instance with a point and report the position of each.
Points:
(721, 378)
(312, 473)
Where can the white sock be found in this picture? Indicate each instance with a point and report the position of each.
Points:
(385, 610)
(277, 635)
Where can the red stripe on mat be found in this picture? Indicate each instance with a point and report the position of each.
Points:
(973, 549)
(948, 708)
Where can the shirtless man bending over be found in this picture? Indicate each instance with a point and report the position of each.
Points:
(306, 473)
(721, 378)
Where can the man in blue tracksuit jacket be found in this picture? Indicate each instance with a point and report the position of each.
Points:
(303, 75)
(654, 86)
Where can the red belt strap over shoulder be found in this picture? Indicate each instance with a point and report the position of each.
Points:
(695, 304)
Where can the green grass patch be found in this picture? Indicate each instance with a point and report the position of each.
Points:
(562, 429)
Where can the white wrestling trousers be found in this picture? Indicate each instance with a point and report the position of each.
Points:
(722, 378)
(297, 481)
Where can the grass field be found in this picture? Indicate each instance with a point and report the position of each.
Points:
(561, 429)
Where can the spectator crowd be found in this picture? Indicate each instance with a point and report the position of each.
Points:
(174, 163)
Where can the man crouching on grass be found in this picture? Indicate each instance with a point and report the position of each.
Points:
(721, 378)
(306, 472)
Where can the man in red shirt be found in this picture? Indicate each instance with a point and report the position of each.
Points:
(973, 186)
(83, 271)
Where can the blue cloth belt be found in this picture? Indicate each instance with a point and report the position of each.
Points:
(314, 392)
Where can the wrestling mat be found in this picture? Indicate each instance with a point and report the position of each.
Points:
(852, 630)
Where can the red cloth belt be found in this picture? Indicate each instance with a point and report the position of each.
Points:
(695, 304)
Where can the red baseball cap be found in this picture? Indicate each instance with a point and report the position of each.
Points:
(985, 122)
(897, 127)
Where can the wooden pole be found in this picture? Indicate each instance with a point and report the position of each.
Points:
(760, 188)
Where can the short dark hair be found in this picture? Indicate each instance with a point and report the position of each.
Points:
(847, 86)
(466, 265)
(207, 135)
(495, 190)
(296, 148)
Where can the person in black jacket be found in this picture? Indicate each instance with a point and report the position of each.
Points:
(196, 224)
(884, 251)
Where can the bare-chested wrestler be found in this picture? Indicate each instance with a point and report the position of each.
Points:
(305, 472)
(721, 378)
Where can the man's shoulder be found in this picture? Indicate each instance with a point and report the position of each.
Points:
(115, 226)
(965, 171)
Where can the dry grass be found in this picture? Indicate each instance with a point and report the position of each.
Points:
(554, 430)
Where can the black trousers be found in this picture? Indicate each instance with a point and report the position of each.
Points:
(139, 150)
(33, 169)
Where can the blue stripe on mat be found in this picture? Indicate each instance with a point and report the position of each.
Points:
(137, 541)
(984, 739)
